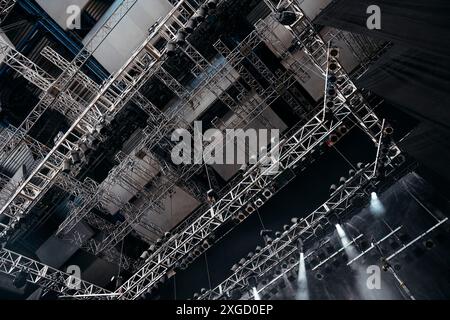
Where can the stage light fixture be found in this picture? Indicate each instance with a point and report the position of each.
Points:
(67, 166)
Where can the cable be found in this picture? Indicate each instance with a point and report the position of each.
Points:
(207, 176)
(175, 287)
(207, 271)
(344, 157)
(260, 219)
(418, 201)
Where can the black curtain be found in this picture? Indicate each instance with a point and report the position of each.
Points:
(419, 24)
(430, 146)
(414, 75)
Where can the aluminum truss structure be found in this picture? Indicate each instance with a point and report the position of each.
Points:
(112, 97)
(5, 8)
(82, 190)
(272, 255)
(165, 258)
(12, 263)
(59, 90)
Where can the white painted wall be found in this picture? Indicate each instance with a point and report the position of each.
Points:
(313, 7)
(57, 9)
(129, 33)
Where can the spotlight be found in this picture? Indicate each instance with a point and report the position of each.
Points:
(196, 296)
(333, 188)
(332, 139)
(334, 52)
(235, 294)
(212, 4)
(332, 79)
(331, 92)
(330, 104)
(258, 249)
(93, 142)
(243, 168)
(429, 244)
(252, 281)
(205, 244)
(84, 148)
(197, 251)
(343, 130)
(277, 234)
(319, 276)
(333, 66)
(203, 291)
(351, 173)
(190, 25)
(388, 130)
(171, 49)
(145, 255)
(201, 13)
(286, 227)
(376, 207)
(342, 180)
(211, 196)
(360, 165)
(249, 208)
(302, 280)
(75, 156)
(67, 166)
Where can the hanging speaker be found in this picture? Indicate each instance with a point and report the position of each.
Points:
(249, 209)
(190, 25)
(180, 38)
(67, 165)
(212, 4)
(75, 157)
(334, 52)
(259, 202)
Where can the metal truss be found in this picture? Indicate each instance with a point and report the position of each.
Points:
(12, 263)
(250, 55)
(5, 8)
(111, 98)
(82, 190)
(178, 246)
(59, 88)
(70, 104)
(272, 255)
(255, 180)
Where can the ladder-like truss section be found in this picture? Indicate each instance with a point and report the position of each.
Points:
(272, 255)
(46, 277)
(5, 8)
(109, 100)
